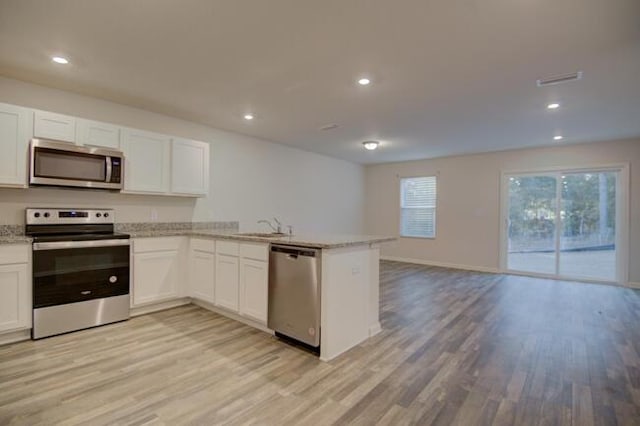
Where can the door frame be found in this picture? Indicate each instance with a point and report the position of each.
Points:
(622, 219)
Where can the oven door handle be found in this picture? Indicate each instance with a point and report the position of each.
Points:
(61, 245)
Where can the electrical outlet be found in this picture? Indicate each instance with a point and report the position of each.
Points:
(154, 215)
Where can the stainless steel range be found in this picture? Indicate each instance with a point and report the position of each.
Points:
(80, 270)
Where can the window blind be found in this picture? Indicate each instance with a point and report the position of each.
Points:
(418, 207)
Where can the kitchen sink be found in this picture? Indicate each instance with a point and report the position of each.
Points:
(262, 234)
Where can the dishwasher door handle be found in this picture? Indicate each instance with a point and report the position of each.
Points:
(292, 256)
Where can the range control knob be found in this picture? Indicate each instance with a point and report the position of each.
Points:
(98, 214)
(106, 214)
(36, 214)
(46, 214)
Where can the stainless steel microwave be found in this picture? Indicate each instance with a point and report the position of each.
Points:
(63, 164)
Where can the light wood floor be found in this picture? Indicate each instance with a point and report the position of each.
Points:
(456, 348)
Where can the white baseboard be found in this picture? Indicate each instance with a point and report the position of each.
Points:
(15, 336)
(375, 329)
(441, 264)
(234, 316)
(633, 285)
(160, 306)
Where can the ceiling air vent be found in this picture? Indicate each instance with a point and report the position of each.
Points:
(329, 126)
(559, 79)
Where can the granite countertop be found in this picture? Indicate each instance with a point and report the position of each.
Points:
(15, 239)
(314, 241)
(14, 234)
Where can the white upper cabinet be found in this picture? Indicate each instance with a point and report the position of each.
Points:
(147, 162)
(154, 163)
(54, 126)
(189, 167)
(98, 134)
(15, 132)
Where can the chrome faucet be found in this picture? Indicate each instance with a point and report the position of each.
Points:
(275, 228)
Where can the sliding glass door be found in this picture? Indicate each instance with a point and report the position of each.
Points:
(563, 224)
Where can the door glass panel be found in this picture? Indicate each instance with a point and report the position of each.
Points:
(75, 166)
(532, 224)
(79, 274)
(588, 228)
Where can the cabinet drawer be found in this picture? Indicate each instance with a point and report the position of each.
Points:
(142, 245)
(254, 251)
(14, 253)
(205, 245)
(227, 247)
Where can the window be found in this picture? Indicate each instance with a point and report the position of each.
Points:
(418, 207)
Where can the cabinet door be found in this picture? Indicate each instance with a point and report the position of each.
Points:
(254, 276)
(54, 126)
(226, 282)
(146, 161)
(15, 132)
(155, 276)
(15, 297)
(202, 276)
(189, 167)
(98, 134)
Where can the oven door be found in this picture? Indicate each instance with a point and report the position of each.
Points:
(76, 271)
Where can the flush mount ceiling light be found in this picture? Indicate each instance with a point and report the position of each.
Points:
(553, 106)
(60, 60)
(558, 138)
(370, 145)
(364, 81)
(248, 117)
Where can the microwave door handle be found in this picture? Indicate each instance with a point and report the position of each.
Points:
(109, 169)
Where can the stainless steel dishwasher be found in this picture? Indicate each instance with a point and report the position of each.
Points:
(294, 293)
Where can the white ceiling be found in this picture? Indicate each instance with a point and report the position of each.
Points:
(449, 76)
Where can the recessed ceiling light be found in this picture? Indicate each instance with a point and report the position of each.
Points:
(60, 60)
(553, 106)
(364, 81)
(558, 138)
(248, 116)
(370, 145)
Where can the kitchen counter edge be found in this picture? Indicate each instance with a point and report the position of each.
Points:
(327, 242)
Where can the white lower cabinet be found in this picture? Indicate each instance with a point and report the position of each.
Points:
(231, 275)
(157, 269)
(254, 279)
(227, 282)
(202, 266)
(15, 288)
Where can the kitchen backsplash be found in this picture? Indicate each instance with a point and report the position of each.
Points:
(11, 230)
(175, 226)
(18, 230)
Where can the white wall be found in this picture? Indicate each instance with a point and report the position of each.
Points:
(468, 210)
(251, 179)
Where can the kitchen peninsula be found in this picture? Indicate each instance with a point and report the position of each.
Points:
(349, 276)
